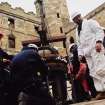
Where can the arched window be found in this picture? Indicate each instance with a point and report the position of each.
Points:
(58, 16)
(11, 23)
(11, 41)
(61, 30)
(71, 40)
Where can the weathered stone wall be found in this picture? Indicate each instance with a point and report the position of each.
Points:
(53, 22)
(51, 9)
(25, 22)
(23, 26)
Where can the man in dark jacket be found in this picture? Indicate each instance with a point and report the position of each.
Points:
(29, 76)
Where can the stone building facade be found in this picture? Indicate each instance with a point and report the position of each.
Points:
(56, 17)
(17, 26)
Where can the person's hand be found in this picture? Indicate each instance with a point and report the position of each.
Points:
(98, 47)
(80, 57)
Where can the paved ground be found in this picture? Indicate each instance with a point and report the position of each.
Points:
(98, 102)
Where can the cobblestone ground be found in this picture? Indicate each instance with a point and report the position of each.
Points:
(98, 102)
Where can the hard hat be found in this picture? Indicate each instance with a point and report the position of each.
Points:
(56, 48)
(33, 46)
(75, 14)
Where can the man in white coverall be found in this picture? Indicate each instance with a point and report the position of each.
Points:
(88, 33)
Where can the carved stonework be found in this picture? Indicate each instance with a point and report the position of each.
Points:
(19, 9)
(5, 4)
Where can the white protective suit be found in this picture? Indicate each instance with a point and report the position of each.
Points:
(90, 33)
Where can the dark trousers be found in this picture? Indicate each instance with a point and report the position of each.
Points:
(92, 87)
(78, 92)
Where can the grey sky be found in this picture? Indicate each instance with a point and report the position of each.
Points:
(27, 5)
(84, 6)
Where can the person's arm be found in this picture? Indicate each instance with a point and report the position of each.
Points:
(5, 55)
(70, 68)
(96, 28)
(80, 49)
(99, 33)
(82, 71)
(77, 38)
